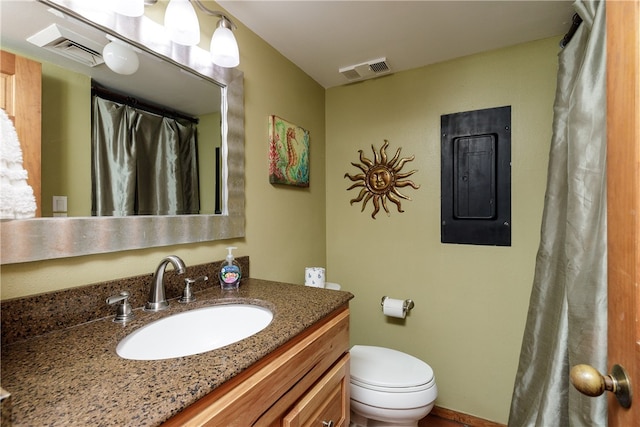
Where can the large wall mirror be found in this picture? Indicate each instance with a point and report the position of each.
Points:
(181, 79)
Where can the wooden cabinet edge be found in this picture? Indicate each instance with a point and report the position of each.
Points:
(264, 392)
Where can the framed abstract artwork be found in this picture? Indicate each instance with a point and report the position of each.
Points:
(288, 153)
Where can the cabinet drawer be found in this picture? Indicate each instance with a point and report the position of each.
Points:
(327, 403)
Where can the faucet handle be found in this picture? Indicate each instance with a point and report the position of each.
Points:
(187, 294)
(124, 311)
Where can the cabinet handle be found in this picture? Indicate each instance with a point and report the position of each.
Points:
(327, 423)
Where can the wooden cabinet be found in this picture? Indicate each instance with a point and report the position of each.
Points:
(303, 383)
(326, 404)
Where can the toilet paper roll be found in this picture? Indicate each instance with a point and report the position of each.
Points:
(394, 308)
(314, 277)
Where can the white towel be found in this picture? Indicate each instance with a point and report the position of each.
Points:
(16, 196)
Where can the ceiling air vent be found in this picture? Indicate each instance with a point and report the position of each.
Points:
(67, 43)
(366, 70)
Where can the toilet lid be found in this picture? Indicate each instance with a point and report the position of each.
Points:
(384, 367)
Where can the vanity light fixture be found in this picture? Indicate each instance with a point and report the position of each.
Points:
(182, 25)
(120, 57)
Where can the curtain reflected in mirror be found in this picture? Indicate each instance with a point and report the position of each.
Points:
(142, 163)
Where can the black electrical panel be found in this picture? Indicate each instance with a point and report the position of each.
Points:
(476, 177)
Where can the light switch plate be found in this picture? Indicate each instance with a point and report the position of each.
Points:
(59, 203)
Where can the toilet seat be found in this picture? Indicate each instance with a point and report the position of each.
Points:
(388, 370)
(388, 378)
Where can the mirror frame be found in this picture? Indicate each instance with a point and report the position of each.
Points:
(35, 239)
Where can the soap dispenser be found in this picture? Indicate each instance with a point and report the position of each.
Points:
(230, 274)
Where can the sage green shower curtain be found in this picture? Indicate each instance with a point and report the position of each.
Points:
(567, 318)
(142, 163)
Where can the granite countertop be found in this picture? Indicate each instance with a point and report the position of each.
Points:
(73, 376)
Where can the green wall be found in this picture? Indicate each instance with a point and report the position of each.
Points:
(470, 301)
(66, 139)
(208, 128)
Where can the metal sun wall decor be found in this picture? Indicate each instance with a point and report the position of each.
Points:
(288, 153)
(380, 179)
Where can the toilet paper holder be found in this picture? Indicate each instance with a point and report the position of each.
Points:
(406, 306)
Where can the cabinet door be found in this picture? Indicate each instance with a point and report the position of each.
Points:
(327, 403)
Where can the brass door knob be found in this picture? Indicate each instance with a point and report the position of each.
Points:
(588, 381)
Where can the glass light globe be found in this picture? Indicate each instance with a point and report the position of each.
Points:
(120, 58)
(224, 48)
(181, 23)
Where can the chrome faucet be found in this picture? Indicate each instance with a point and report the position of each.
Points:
(157, 300)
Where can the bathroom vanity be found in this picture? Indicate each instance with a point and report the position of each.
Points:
(294, 371)
(305, 380)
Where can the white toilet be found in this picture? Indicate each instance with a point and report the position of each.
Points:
(389, 388)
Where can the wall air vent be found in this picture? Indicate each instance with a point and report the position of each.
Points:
(70, 44)
(366, 70)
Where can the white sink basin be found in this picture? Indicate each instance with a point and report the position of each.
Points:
(195, 331)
